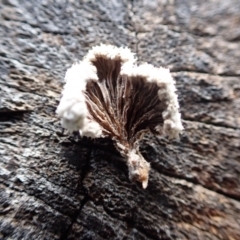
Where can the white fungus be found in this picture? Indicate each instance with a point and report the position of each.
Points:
(108, 95)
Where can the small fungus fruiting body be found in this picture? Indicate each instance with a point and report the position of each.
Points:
(108, 95)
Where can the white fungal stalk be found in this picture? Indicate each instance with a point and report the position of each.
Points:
(108, 95)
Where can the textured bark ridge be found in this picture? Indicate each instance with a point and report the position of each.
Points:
(59, 186)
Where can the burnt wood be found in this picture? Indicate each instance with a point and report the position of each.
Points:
(54, 185)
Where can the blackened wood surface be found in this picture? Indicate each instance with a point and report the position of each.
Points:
(56, 186)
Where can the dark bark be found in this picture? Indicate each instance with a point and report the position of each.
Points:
(57, 186)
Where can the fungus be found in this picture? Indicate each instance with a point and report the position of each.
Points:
(108, 95)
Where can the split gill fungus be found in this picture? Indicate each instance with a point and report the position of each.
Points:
(108, 95)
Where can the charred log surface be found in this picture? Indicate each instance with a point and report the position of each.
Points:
(57, 186)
